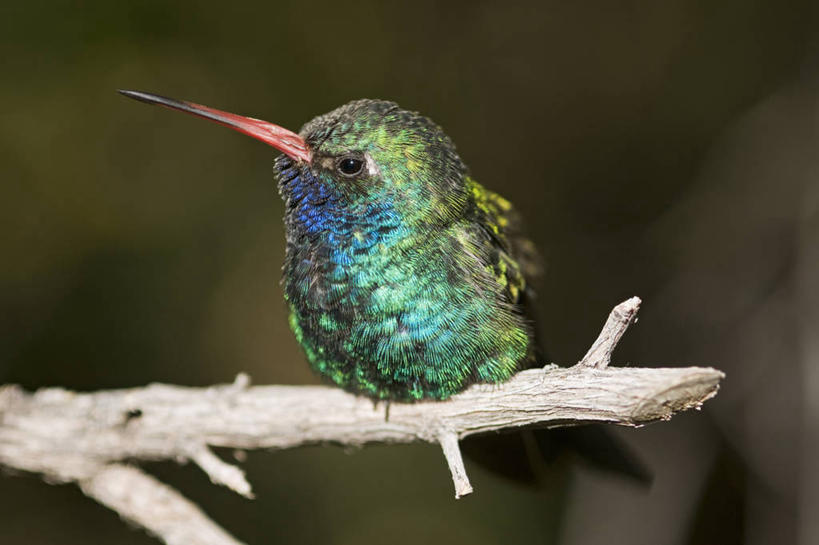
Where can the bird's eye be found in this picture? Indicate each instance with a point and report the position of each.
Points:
(350, 166)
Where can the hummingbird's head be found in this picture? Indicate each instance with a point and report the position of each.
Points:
(365, 152)
(372, 151)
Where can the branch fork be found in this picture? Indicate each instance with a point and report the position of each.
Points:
(86, 438)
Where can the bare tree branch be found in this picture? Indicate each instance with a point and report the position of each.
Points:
(83, 438)
(452, 453)
(158, 508)
(599, 355)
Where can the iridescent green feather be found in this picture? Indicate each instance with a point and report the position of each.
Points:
(403, 281)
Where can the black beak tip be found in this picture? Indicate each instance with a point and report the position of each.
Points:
(138, 95)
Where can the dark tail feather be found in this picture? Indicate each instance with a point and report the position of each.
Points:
(596, 447)
(506, 454)
(532, 456)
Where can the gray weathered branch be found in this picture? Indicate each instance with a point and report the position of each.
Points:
(84, 438)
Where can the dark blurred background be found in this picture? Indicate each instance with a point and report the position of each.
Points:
(660, 149)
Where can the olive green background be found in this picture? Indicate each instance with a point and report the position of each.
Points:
(660, 149)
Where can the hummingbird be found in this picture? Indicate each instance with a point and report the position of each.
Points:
(405, 278)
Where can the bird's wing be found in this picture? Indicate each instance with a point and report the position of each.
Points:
(512, 257)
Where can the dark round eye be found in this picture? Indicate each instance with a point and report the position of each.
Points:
(350, 166)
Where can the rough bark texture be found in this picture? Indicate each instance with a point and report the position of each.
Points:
(84, 438)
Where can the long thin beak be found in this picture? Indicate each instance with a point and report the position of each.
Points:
(280, 138)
